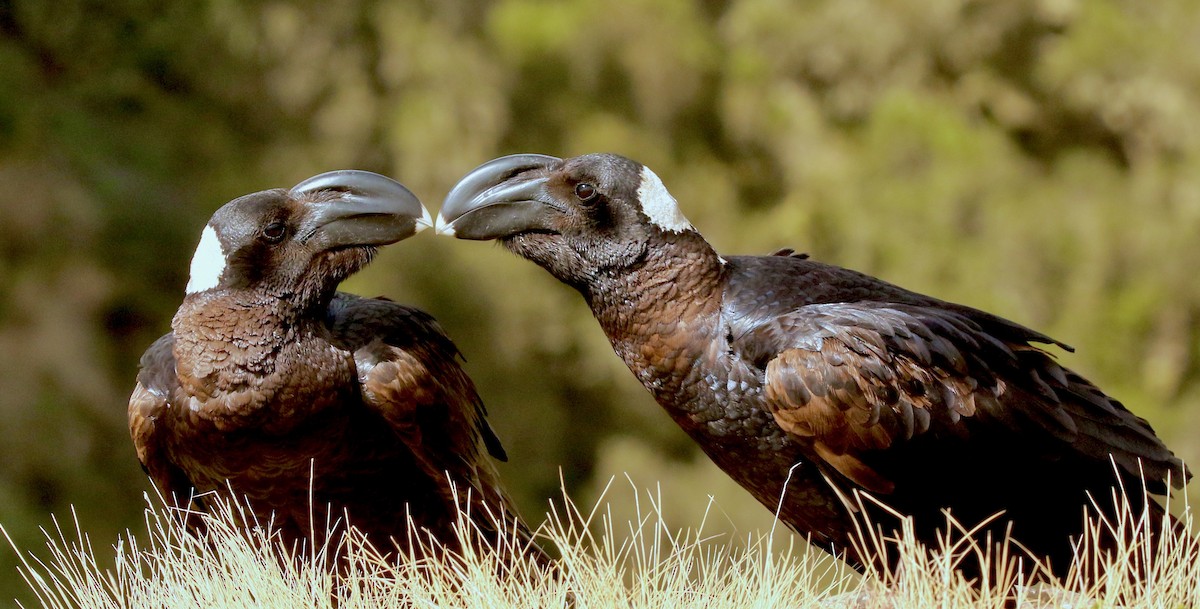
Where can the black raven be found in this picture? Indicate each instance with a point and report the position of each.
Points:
(277, 386)
(784, 368)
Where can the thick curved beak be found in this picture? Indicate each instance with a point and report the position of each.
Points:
(366, 209)
(500, 198)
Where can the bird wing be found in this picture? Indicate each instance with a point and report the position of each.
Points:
(148, 406)
(855, 378)
(410, 374)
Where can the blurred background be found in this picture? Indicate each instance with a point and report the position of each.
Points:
(1036, 158)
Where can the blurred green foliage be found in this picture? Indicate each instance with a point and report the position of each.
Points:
(1035, 158)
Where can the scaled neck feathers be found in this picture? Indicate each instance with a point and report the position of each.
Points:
(655, 312)
(678, 268)
(240, 354)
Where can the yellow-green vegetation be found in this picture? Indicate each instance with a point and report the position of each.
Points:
(636, 564)
(1036, 158)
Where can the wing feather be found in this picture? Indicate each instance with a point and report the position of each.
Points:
(854, 378)
(148, 405)
(411, 375)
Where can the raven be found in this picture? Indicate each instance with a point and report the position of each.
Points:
(810, 384)
(312, 403)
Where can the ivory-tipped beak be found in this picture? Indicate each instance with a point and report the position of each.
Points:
(425, 221)
(442, 227)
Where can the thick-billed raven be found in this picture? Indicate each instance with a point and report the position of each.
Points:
(309, 402)
(783, 368)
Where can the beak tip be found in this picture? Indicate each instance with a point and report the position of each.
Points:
(442, 227)
(425, 221)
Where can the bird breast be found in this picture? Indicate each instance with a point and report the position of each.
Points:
(233, 384)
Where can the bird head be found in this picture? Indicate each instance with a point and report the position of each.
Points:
(301, 243)
(576, 217)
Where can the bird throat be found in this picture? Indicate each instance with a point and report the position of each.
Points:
(653, 314)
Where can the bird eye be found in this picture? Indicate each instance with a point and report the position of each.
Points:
(274, 232)
(585, 191)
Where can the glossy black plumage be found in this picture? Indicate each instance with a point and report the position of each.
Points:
(274, 384)
(783, 368)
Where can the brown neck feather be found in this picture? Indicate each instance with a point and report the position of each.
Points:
(240, 352)
(658, 314)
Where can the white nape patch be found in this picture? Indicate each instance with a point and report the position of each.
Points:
(659, 205)
(207, 263)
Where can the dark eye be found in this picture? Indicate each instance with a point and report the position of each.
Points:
(274, 232)
(585, 191)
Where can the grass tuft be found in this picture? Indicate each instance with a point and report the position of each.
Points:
(640, 564)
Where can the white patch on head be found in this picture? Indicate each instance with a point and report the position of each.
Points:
(659, 205)
(207, 263)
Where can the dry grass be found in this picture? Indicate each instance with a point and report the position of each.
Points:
(634, 565)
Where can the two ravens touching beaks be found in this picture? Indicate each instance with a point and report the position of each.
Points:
(809, 384)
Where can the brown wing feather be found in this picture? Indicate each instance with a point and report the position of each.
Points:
(432, 406)
(862, 377)
(147, 406)
(851, 401)
(411, 375)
